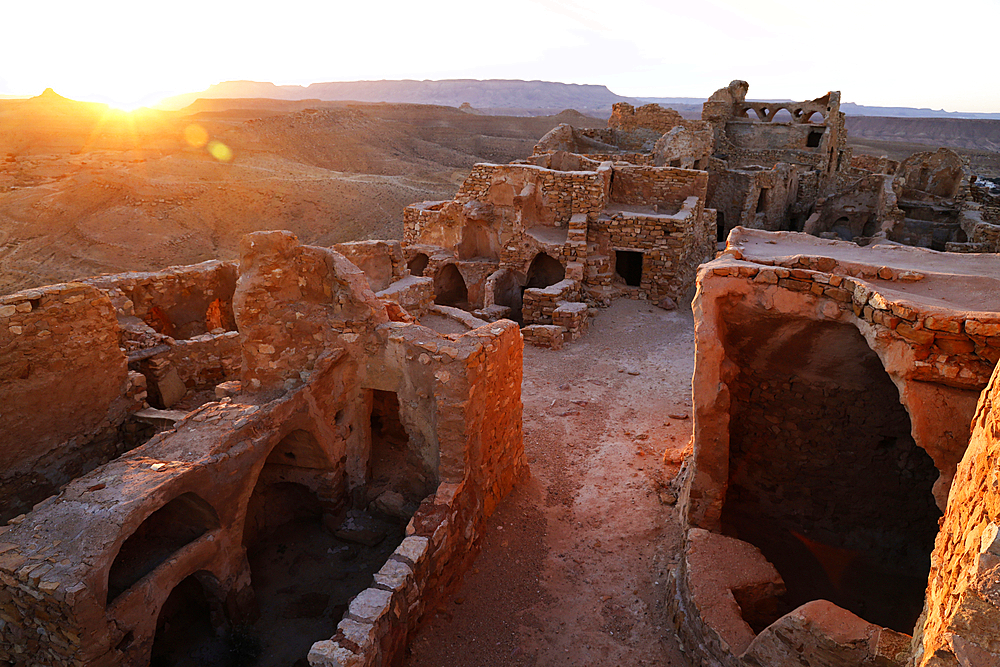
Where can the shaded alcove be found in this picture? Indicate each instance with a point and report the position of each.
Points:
(394, 463)
(507, 291)
(628, 265)
(163, 533)
(450, 288)
(418, 264)
(478, 240)
(720, 227)
(824, 476)
(544, 271)
(299, 575)
(190, 630)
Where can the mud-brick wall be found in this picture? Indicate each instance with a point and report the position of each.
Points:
(645, 186)
(962, 607)
(564, 192)
(63, 382)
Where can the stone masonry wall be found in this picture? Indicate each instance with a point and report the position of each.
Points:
(64, 390)
(443, 536)
(672, 247)
(178, 301)
(538, 304)
(565, 192)
(665, 186)
(962, 609)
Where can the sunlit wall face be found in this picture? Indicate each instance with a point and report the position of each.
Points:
(878, 53)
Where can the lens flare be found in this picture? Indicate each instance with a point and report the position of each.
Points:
(220, 151)
(196, 135)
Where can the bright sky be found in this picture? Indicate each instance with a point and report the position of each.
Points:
(918, 53)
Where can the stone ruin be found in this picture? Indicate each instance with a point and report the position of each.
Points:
(169, 436)
(537, 241)
(833, 393)
(329, 407)
(629, 210)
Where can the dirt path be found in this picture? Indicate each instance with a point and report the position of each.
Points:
(571, 571)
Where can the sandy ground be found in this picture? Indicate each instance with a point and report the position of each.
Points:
(573, 563)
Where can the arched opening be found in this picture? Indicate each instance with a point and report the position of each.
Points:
(185, 633)
(782, 115)
(824, 476)
(418, 264)
(544, 271)
(842, 228)
(816, 118)
(302, 575)
(162, 534)
(450, 288)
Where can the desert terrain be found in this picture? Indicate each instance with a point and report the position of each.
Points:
(85, 189)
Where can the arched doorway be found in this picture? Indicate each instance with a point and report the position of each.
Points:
(450, 288)
(190, 629)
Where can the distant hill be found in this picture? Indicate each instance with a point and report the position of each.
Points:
(500, 97)
(490, 94)
(968, 133)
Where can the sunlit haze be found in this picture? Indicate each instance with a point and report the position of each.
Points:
(918, 54)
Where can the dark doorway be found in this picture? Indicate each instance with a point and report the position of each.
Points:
(544, 271)
(720, 227)
(449, 288)
(418, 264)
(394, 466)
(824, 477)
(185, 634)
(813, 139)
(628, 265)
(762, 200)
(507, 291)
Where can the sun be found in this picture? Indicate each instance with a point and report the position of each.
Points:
(127, 107)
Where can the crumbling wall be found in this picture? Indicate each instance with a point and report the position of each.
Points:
(179, 302)
(684, 147)
(381, 261)
(962, 608)
(64, 600)
(563, 193)
(626, 117)
(292, 303)
(749, 423)
(864, 209)
(478, 413)
(929, 176)
(754, 198)
(65, 390)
